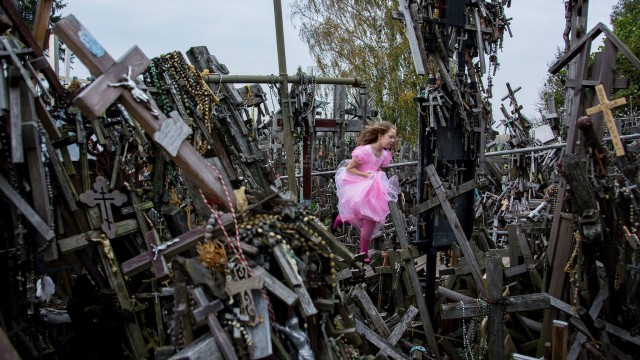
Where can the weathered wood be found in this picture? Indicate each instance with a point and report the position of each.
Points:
(277, 288)
(401, 231)
(38, 178)
(401, 327)
(517, 303)
(135, 340)
(185, 242)
(41, 23)
(206, 310)
(461, 238)
(15, 114)
(380, 342)
(79, 241)
(560, 340)
(496, 317)
(594, 311)
(306, 306)
(431, 203)
(290, 274)
(622, 333)
(370, 309)
(414, 34)
(31, 215)
(187, 158)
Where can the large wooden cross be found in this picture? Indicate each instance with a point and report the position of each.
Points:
(99, 95)
(606, 106)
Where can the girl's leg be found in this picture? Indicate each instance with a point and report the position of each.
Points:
(366, 233)
(337, 221)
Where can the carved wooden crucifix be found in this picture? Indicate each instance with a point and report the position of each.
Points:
(115, 81)
(101, 196)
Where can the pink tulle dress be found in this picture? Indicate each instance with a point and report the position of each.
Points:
(361, 198)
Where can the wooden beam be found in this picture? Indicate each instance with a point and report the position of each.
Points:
(41, 23)
(401, 232)
(461, 238)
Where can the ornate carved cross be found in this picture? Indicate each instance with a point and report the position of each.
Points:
(101, 196)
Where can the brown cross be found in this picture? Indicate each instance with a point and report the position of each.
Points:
(99, 95)
(606, 106)
(101, 196)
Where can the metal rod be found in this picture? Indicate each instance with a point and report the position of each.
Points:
(273, 79)
(549, 147)
(332, 172)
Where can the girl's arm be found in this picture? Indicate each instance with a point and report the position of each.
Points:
(352, 167)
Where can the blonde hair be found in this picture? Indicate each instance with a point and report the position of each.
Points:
(370, 133)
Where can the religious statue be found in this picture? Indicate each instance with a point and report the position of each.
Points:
(136, 92)
(298, 337)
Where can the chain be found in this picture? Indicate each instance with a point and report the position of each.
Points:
(465, 340)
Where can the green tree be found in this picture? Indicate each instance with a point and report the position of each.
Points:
(28, 10)
(553, 85)
(359, 38)
(624, 19)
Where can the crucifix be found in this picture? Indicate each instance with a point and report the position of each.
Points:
(98, 96)
(101, 196)
(605, 107)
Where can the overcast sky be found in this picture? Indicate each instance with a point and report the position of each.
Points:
(241, 34)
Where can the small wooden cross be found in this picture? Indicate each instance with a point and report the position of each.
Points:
(205, 311)
(606, 106)
(101, 196)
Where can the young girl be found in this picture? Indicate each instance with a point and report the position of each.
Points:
(363, 190)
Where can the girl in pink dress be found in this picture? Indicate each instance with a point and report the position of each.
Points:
(363, 189)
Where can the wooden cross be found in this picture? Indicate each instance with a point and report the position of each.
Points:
(101, 196)
(159, 264)
(99, 95)
(388, 346)
(497, 305)
(461, 238)
(206, 311)
(606, 106)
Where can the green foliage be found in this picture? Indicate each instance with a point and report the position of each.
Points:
(553, 85)
(359, 38)
(28, 10)
(624, 18)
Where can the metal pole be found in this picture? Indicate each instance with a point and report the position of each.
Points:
(272, 79)
(549, 147)
(284, 98)
(332, 172)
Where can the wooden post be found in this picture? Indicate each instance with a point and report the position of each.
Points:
(41, 23)
(560, 340)
(99, 95)
(497, 308)
(457, 228)
(401, 230)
